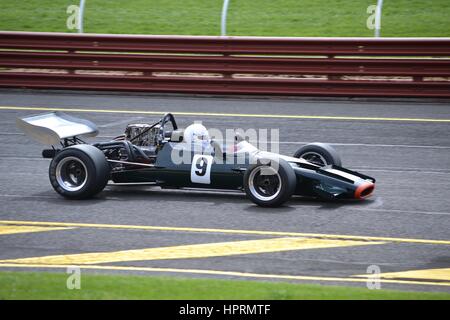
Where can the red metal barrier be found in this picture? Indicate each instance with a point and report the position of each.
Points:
(243, 65)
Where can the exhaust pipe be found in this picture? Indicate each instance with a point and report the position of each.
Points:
(364, 190)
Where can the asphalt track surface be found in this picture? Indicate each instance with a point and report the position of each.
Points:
(404, 228)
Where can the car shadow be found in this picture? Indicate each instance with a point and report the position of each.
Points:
(333, 204)
(140, 193)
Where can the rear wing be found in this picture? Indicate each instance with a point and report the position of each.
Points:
(51, 128)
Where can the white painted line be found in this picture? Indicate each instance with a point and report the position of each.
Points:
(280, 142)
(368, 145)
(120, 122)
(227, 273)
(404, 211)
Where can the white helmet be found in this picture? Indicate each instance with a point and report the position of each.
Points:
(196, 133)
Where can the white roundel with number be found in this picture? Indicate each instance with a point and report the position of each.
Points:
(201, 169)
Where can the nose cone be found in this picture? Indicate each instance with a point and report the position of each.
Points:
(364, 190)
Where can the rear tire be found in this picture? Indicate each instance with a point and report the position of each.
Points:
(270, 183)
(321, 154)
(79, 172)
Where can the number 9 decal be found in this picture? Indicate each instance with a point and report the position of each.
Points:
(201, 169)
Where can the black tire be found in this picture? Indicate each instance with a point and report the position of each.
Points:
(280, 171)
(79, 172)
(321, 154)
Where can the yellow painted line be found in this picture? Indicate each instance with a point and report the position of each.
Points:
(223, 273)
(25, 229)
(227, 231)
(219, 249)
(219, 114)
(441, 274)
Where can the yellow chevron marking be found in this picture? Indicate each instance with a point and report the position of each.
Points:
(26, 229)
(226, 231)
(192, 251)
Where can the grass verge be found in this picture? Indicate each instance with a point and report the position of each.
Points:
(343, 18)
(43, 285)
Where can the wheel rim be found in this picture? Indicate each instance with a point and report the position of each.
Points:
(71, 174)
(265, 183)
(314, 158)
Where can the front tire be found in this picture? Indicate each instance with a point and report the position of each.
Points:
(270, 183)
(79, 172)
(320, 154)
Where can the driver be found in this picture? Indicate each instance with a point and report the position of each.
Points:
(197, 137)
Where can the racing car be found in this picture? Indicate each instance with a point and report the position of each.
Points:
(162, 154)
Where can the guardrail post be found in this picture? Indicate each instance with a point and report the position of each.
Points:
(332, 76)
